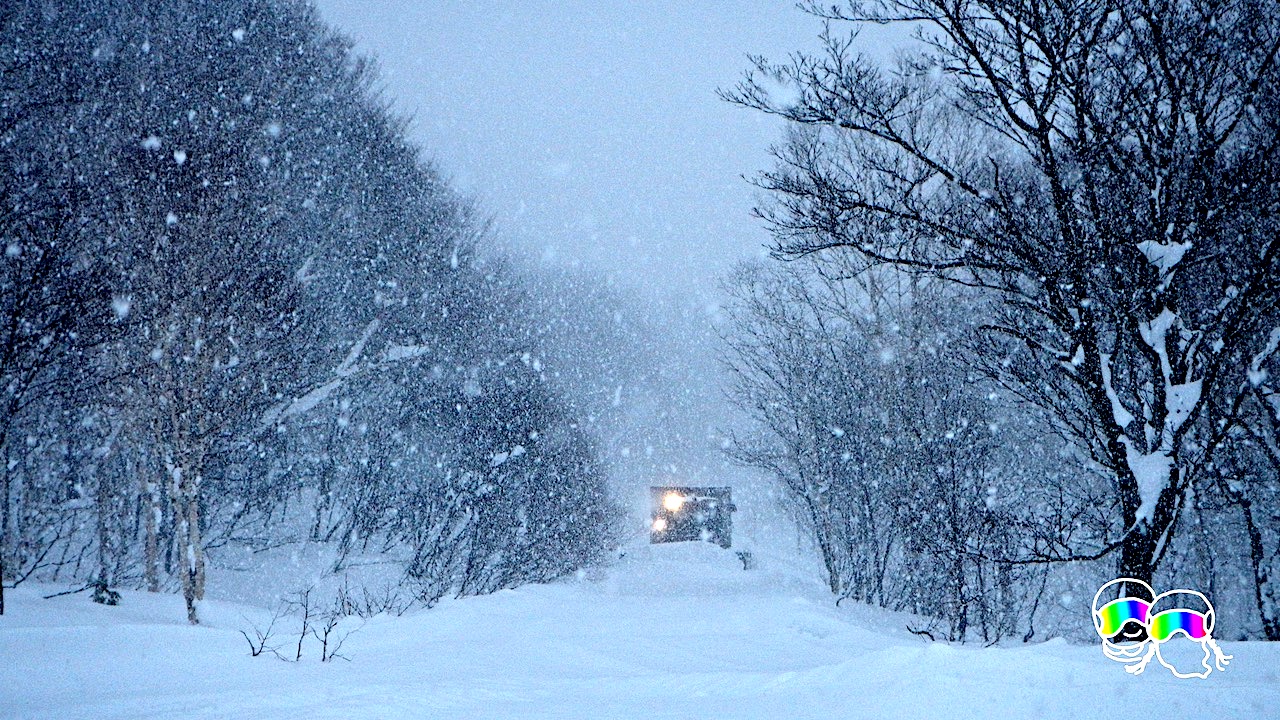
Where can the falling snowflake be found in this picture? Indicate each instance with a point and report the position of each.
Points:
(120, 305)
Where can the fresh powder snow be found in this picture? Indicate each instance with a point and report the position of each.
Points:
(666, 631)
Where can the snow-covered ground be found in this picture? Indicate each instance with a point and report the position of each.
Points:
(666, 632)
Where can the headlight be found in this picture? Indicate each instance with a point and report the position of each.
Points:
(659, 524)
(673, 502)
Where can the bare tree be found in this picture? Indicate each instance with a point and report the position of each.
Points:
(893, 452)
(262, 637)
(1246, 474)
(53, 298)
(1107, 170)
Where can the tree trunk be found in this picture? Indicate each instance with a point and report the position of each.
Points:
(151, 524)
(1137, 554)
(1145, 542)
(192, 557)
(186, 514)
(1268, 612)
(4, 525)
(4, 518)
(102, 498)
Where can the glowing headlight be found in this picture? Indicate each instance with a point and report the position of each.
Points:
(659, 524)
(673, 502)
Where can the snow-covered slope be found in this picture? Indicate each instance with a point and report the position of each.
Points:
(667, 632)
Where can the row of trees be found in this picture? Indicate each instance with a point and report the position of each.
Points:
(237, 308)
(913, 472)
(1090, 190)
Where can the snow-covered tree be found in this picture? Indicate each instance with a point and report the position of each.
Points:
(910, 472)
(1106, 170)
(277, 318)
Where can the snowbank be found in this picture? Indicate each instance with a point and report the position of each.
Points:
(676, 631)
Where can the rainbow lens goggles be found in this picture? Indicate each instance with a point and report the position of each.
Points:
(1165, 624)
(1115, 614)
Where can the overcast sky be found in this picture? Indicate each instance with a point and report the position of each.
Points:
(592, 134)
(591, 130)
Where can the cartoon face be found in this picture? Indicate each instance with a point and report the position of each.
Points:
(1134, 628)
(1122, 623)
(1170, 622)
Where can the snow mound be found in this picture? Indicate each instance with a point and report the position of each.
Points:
(690, 569)
(568, 650)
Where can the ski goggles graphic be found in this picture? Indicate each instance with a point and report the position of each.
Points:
(1112, 616)
(1163, 625)
(1136, 649)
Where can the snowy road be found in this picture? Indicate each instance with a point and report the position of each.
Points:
(651, 638)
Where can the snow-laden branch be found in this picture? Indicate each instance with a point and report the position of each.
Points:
(318, 394)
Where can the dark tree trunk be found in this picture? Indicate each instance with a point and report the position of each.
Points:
(1137, 555)
(1142, 549)
(1267, 610)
